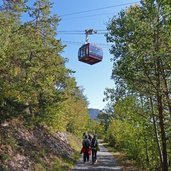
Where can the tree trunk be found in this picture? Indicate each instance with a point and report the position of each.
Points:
(159, 91)
(156, 133)
(166, 91)
(163, 136)
(159, 97)
(145, 139)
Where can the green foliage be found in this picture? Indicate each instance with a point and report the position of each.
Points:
(3, 168)
(76, 112)
(95, 127)
(75, 143)
(141, 62)
(39, 167)
(104, 118)
(4, 157)
(11, 141)
(130, 133)
(60, 165)
(35, 84)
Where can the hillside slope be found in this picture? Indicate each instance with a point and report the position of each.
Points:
(35, 149)
(93, 113)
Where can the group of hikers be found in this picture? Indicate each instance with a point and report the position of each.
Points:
(89, 147)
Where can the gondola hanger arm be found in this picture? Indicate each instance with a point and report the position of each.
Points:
(89, 32)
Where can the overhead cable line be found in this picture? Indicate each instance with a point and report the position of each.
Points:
(82, 31)
(97, 9)
(104, 45)
(79, 32)
(87, 16)
(71, 33)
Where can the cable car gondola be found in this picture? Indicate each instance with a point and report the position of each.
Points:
(90, 53)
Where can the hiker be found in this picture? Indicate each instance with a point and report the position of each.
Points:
(86, 150)
(84, 134)
(94, 148)
(89, 137)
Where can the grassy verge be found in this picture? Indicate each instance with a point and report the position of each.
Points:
(75, 144)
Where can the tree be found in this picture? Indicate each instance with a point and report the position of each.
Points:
(35, 84)
(141, 52)
(76, 111)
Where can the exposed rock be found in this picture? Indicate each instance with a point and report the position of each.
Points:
(22, 148)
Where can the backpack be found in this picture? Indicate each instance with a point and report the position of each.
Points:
(86, 143)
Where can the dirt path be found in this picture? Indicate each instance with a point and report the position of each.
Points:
(105, 162)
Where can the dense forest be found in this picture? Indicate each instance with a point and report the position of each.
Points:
(140, 105)
(35, 84)
(37, 88)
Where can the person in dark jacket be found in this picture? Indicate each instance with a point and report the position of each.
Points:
(94, 148)
(89, 137)
(86, 149)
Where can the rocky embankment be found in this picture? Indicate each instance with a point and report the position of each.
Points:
(34, 149)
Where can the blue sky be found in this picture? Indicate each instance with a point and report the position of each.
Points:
(93, 78)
